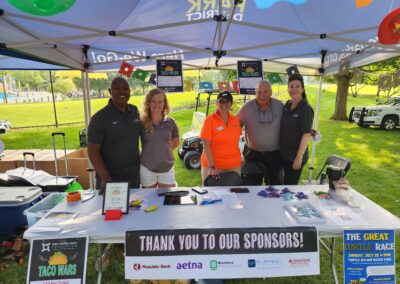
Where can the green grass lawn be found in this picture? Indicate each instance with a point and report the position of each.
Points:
(375, 170)
(71, 111)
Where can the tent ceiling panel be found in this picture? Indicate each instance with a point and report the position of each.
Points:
(12, 63)
(279, 30)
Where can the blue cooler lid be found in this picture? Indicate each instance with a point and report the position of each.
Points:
(17, 195)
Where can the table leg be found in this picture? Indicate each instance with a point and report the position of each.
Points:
(331, 250)
(99, 258)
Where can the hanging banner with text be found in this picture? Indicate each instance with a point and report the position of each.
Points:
(58, 261)
(221, 253)
(169, 75)
(369, 256)
(249, 74)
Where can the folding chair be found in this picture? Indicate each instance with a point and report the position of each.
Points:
(225, 179)
(338, 161)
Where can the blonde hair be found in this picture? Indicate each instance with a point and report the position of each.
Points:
(146, 112)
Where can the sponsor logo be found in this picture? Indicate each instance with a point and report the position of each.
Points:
(206, 9)
(299, 261)
(251, 263)
(189, 265)
(213, 264)
(138, 266)
(217, 264)
(268, 263)
(264, 263)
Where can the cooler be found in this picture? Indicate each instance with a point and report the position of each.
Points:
(13, 202)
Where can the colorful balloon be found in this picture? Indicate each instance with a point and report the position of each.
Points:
(42, 7)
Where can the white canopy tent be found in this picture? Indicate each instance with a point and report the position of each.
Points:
(99, 35)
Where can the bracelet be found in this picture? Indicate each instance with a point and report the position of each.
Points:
(299, 154)
(212, 167)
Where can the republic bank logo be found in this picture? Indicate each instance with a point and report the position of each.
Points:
(137, 266)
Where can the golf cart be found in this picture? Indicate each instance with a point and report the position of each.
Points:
(191, 145)
(5, 125)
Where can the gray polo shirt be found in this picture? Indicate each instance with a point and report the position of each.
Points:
(261, 128)
(157, 150)
(118, 134)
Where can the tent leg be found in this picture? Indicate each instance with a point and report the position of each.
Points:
(89, 104)
(314, 144)
(85, 103)
(331, 250)
(54, 101)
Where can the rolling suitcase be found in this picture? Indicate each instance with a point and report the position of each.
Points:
(59, 183)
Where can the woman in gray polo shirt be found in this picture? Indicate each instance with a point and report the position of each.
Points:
(296, 123)
(160, 136)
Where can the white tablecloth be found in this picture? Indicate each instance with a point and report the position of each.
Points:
(257, 211)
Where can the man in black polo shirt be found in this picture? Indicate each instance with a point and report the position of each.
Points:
(113, 138)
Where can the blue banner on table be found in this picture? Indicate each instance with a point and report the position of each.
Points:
(169, 75)
(56, 260)
(369, 256)
(249, 74)
(221, 253)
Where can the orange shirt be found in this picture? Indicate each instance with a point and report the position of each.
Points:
(224, 141)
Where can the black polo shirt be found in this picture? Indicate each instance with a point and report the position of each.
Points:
(294, 123)
(118, 134)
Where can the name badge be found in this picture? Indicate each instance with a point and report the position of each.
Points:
(220, 128)
(295, 115)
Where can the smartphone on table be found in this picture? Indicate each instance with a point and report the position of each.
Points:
(199, 190)
(239, 189)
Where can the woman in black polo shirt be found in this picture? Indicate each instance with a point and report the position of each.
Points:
(296, 123)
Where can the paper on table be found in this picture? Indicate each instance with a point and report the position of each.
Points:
(229, 199)
(342, 215)
(57, 219)
(40, 229)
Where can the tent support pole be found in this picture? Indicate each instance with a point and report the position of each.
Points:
(4, 88)
(54, 101)
(314, 144)
(85, 103)
(321, 79)
(89, 104)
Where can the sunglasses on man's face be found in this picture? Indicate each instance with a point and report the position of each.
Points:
(265, 116)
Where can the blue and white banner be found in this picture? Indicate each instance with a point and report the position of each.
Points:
(369, 256)
(221, 253)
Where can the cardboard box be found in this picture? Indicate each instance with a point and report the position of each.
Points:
(44, 160)
(10, 157)
(78, 162)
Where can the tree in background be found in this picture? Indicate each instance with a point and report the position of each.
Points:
(62, 86)
(100, 86)
(371, 76)
(30, 80)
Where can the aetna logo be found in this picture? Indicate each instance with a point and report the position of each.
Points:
(136, 266)
(189, 265)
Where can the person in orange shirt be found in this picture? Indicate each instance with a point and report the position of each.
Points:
(220, 136)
